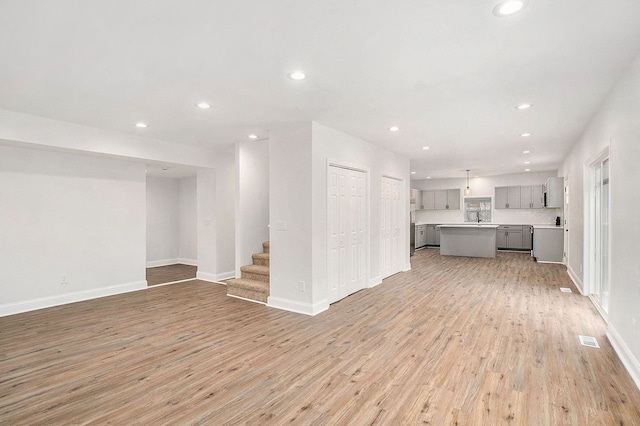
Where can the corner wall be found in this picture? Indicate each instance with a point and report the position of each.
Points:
(73, 228)
(616, 124)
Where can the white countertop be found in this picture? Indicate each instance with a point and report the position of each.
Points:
(547, 227)
(535, 225)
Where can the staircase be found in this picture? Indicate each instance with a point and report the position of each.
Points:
(254, 281)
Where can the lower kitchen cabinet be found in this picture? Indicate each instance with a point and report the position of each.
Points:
(548, 244)
(513, 237)
(433, 235)
(421, 236)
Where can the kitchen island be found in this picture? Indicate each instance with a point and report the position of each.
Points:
(470, 240)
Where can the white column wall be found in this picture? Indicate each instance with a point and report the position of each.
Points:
(68, 215)
(252, 200)
(615, 124)
(299, 155)
(188, 221)
(163, 226)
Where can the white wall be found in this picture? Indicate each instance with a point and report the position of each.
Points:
(215, 197)
(64, 214)
(290, 203)
(485, 187)
(616, 124)
(299, 157)
(187, 221)
(163, 227)
(171, 221)
(252, 200)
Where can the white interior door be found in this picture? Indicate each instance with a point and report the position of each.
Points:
(390, 244)
(346, 221)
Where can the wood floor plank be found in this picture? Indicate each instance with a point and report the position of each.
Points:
(453, 341)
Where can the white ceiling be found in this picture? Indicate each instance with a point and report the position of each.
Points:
(448, 73)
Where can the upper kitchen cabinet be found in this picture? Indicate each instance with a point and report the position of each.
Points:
(553, 192)
(531, 197)
(508, 197)
(441, 199)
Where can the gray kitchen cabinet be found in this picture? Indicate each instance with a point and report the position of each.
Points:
(554, 192)
(453, 199)
(433, 235)
(421, 236)
(527, 237)
(441, 199)
(531, 197)
(509, 237)
(428, 200)
(548, 244)
(507, 197)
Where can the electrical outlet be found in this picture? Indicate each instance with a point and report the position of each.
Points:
(64, 280)
(301, 286)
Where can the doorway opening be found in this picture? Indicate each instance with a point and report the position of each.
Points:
(598, 268)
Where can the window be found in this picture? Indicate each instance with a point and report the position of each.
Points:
(475, 208)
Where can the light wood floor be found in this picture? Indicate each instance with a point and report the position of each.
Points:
(170, 273)
(454, 341)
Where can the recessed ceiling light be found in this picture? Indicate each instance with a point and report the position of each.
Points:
(525, 135)
(527, 162)
(165, 168)
(509, 7)
(526, 152)
(413, 173)
(394, 128)
(527, 170)
(428, 177)
(297, 75)
(141, 125)
(253, 136)
(425, 147)
(524, 106)
(203, 105)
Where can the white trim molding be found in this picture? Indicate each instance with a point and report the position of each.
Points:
(576, 280)
(298, 307)
(167, 262)
(206, 276)
(190, 262)
(63, 299)
(374, 282)
(624, 353)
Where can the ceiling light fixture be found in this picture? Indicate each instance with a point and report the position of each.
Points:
(165, 168)
(509, 7)
(203, 105)
(394, 128)
(525, 135)
(425, 148)
(428, 177)
(468, 190)
(253, 136)
(141, 125)
(527, 170)
(297, 75)
(524, 106)
(527, 162)
(413, 173)
(526, 152)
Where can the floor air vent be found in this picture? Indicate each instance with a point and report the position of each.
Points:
(589, 341)
(565, 290)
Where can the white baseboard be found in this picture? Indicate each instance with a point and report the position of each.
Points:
(576, 280)
(225, 275)
(297, 307)
(374, 282)
(407, 267)
(167, 262)
(162, 262)
(630, 362)
(206, 276)
(63, 299)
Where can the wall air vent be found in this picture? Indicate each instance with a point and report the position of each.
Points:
(565, 290)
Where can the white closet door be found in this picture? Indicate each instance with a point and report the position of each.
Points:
(390, 241)
(346, 221)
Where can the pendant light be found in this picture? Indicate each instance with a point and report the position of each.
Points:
(468, 190)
